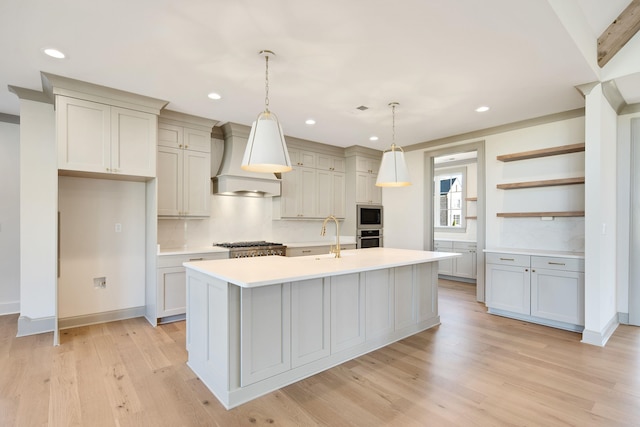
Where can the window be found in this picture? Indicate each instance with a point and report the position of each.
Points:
(449, 191)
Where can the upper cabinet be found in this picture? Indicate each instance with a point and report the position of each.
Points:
(315, 188)
(99, 138)
(366, 175)
(184, 165)
(103, 132)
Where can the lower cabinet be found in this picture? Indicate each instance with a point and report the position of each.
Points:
(316, 250)
(462, 267)
(548, 290)
(287, 326)
(171, 283)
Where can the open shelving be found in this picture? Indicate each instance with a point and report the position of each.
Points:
(534, 154)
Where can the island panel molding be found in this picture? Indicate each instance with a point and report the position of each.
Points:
(251, 333)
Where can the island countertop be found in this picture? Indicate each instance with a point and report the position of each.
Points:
(270, 270)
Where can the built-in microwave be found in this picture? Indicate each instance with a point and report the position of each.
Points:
(369, 216)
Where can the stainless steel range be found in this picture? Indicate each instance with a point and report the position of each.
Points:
(255, 248)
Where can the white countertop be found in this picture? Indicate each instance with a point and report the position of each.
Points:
(536, 252)
(269, 270)
(189, 251)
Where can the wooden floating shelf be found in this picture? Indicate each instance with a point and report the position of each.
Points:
(546, 183)
(470, 217)
(538, 214)
(471, 199)
(545, 152)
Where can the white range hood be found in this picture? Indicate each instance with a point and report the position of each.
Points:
(231, 179)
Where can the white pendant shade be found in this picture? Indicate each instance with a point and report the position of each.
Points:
(266, 149)
(393, 169)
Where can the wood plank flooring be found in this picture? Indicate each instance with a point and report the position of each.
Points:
(473, 370)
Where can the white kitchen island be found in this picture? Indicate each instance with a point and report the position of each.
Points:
(257, 324)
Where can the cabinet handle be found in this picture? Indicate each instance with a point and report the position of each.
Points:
(306, 252)
(196, 259)
(507, 259)
(556, 263)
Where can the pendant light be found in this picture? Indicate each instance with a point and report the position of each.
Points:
(266, 149)
(393, 168)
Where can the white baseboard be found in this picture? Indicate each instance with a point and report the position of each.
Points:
(600, 338)
(29, 326)
(623, 318)
(12, 307)
(107, 316)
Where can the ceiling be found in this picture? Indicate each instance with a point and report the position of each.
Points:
(439, 59)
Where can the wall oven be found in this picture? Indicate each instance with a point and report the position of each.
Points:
(369, 238)
(369, 217)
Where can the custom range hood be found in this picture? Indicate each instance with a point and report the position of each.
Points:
(231, 179)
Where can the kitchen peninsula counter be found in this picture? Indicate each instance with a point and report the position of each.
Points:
(258, 324)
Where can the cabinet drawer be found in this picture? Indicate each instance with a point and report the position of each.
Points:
(464, 246)
(508, 259)
(307, 250)
(177, 260)
(443, 245)
(555, 263)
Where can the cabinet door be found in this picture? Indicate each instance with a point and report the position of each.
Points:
(289, 193)
(379, 291)
(445, 266)
(509, 288)
(425, 277)
(83, 130)
(347, 312)
(558, 295)
(362, 183)
(265, 332)
(169, 181)
(338, 189)
(133, 142)
(325, 196)
(463, 266)
(196, 183)
(307, 194)
(197, 140)
(172, 294)
(405, 311)
(375, 192)
(170, 135)
(310, 321)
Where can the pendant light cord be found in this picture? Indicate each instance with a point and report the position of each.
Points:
(393, 126)
(266, 84)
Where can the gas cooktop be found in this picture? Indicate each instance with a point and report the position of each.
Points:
(253, 248)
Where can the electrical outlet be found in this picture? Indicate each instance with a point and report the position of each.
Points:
(118, 227)
(100, 282)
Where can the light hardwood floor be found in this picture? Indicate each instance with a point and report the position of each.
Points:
(474, 369)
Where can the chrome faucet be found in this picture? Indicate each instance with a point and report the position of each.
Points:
(324, 230)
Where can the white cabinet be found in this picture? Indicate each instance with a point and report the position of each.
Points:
(547, 290)
(316, 250)
(347, 312)
(508, 282)
(462, 267)
(315, 188)
(171, 286)
(184, 171)
(366, 175)
(265, 343)
(557, 289)
(379, 296)
(310, 321)
(99, 138)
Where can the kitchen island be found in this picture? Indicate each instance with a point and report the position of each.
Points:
(257, 324)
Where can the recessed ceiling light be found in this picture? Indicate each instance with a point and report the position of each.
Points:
(482, 109)
(214, 95)
(54, 53)
(310, 122)
(373, 138)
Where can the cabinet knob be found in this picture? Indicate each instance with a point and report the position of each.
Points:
(179, 145)
(108, 170)
(526, 269)
(186, 146)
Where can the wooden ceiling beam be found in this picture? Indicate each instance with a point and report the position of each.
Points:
(619, 33)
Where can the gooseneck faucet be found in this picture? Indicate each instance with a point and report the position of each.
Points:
(324, 230)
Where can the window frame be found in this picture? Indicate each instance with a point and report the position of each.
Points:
(448, 171)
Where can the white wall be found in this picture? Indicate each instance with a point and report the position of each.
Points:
(9, 218)
(91, 247)
(38, 217)
(600, 224)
